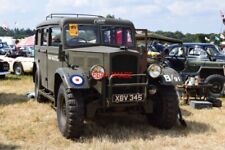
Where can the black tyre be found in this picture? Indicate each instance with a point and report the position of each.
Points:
(217, 82)
(70, 113)
(38, 86)
(18, 69)
(165, 108)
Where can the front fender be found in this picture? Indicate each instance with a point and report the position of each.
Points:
(66, 75)
(170, 76)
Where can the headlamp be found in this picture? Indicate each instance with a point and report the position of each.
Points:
(154, 70)
(97, 72)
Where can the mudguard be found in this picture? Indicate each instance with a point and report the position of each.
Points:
(73, 78)
(170, 76)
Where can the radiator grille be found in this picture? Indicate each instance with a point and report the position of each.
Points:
(123, 64)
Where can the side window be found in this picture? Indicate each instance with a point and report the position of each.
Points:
(55, 37)
(173, 52)
(44, 37)
(177, 51)
(197, 52)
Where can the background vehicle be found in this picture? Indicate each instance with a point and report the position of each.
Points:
(19, 62)
(4, 68)
(90, 65)
(156, 45)
(4, 48)
(199, 58)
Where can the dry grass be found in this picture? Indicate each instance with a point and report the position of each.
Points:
(26, 124)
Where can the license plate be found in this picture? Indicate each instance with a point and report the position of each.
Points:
(127, 98)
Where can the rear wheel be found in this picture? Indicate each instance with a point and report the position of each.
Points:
(165, 108)
(217, 82)
(18, 69)
(70, 113)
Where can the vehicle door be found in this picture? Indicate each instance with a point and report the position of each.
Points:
(196, 58)
(214, 57)
(177, 58)
(41, 46)
(53, 62)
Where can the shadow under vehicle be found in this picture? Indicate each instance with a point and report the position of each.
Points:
(201, 59)
(89, 65)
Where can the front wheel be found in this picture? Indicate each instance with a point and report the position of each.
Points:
(165, 107)
(70, 113)
(18, 69)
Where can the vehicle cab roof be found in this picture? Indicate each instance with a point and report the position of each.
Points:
(85, 20)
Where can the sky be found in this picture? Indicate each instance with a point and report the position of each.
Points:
(187, 16)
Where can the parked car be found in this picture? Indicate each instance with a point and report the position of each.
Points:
(203, 59)
(4, 48)
(19, 62)
(4, 69)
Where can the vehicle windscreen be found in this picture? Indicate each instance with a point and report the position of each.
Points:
(117, 36)
(79, 35)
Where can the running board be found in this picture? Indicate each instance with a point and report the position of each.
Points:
(47, 95)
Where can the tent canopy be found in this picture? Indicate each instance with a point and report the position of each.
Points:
(28, 41)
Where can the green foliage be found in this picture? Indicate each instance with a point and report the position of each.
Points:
(110, 16)
(16, 33)
(188, 37)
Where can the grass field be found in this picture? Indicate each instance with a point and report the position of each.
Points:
(26, 124)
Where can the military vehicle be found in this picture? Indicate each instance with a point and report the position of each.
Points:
(89, 65)
(201, 59)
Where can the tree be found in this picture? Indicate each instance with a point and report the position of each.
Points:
(110, 16)
(16, 33)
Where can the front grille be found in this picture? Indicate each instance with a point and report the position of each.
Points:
(123, 64)
(4, 66)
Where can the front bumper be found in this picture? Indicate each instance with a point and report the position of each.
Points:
(142, 86)
(4, 73)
